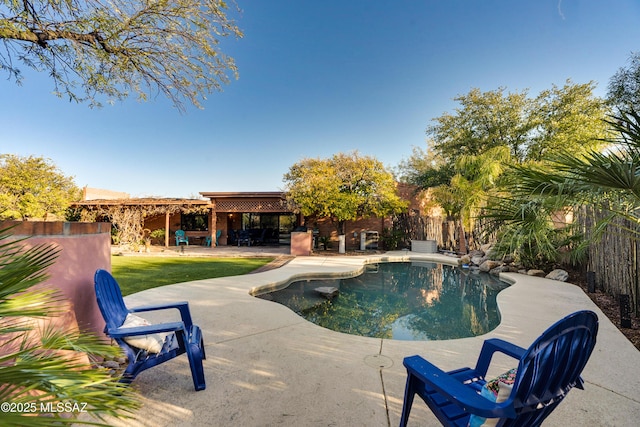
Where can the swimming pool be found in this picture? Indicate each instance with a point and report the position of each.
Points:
(399, 300)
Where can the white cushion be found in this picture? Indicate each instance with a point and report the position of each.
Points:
(151, 342)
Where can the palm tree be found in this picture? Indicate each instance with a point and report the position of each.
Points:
(609, 179)
(472, 185)
(45, 378)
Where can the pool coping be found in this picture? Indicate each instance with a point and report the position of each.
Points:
(267, 366)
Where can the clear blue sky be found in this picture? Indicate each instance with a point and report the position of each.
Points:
(317, 78)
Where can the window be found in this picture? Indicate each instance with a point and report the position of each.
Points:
(194, 222)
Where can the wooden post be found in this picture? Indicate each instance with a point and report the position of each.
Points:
(213, 224)
(462, 249)
(166, 230)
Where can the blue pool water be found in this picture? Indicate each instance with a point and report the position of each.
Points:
(403, 301)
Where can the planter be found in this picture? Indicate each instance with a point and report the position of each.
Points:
(424, 246)
(301, 243)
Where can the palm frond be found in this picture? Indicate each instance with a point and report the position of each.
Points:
(48, 366)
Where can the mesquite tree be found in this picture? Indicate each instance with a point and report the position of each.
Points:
(94, 48)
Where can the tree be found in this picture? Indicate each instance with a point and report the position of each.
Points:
(470, 150)
(485, 120)
(608, 179)
(425, 168)
(623, 90)
(598, 175)
(568, 118)
(40, 368)
(33, 187)
(91, 48)
(342, 188)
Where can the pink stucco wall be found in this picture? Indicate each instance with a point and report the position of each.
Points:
(84, 248)
(301, 243)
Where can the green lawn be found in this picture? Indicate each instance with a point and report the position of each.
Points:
(135, 274)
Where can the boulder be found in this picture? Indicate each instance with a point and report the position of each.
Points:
(327, 291)
(475, 253)
(489, 265)
(499, 269)
(537, 273)
(465, 260)
(477, 260)
(508, 259)
(558, 274)
(486, 248)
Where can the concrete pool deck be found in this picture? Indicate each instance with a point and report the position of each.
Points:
(267, 366)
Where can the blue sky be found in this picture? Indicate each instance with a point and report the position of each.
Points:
(318, 78)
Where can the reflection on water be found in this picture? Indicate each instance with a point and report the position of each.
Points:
(403, 301)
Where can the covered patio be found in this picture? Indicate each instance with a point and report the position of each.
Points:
(217, 219)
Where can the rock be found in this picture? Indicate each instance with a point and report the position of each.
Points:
(327, 291)
(537, 273)
(465, 259)
(499, 269)
(508, 259)
(558, 274)
(476, 253)
(477, 260)
(486, 248)
(111, 364)
(489, 265)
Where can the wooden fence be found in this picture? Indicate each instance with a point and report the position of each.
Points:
(614, 255)
(444, 231)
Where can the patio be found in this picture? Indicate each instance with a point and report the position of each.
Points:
(267, 366)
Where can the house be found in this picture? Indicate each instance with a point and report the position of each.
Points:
(266, 215)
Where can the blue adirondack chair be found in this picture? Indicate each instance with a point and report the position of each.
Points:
(182, 337)
(181, 238)
(545, 374)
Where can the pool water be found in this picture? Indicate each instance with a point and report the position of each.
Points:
(402, 301)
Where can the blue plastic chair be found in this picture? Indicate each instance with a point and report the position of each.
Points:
(545, 374)
(244, 237)
(183, 337)
(207, 241)
(181, 238)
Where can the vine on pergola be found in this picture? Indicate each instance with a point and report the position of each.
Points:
(128, 220)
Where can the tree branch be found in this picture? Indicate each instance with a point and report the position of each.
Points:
(41, 37)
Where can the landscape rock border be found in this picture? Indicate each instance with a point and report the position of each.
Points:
(480, 259)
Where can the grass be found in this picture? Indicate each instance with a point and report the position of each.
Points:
(135, 274)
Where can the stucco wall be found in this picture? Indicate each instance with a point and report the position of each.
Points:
(84, 248)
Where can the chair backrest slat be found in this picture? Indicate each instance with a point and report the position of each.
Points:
(553, 363)
(110, 300)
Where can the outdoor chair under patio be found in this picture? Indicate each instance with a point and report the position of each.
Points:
(207, 241)
(524, 396)
(149, 345)
(181, 238)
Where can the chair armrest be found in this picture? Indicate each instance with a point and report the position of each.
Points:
(462, 395)
(145, 330)
(182, 307)
(493, 345)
